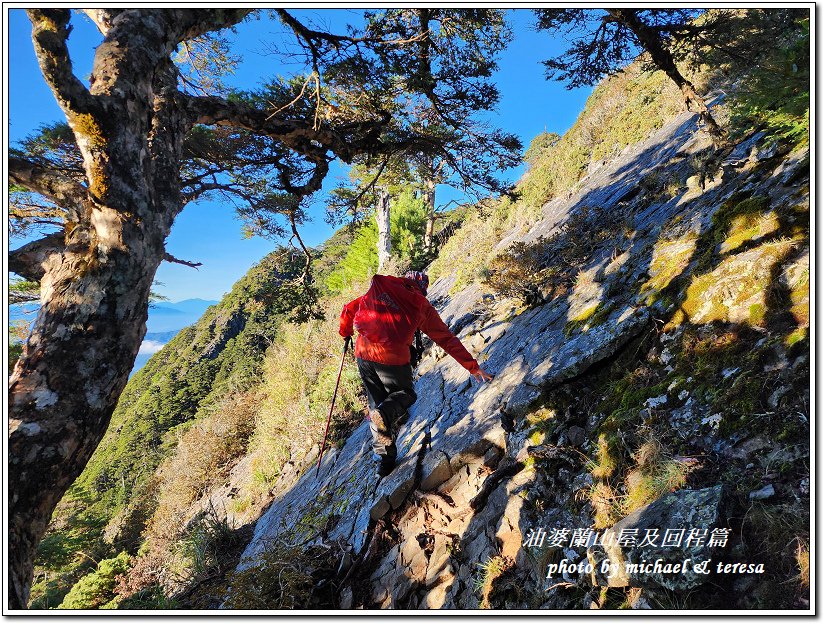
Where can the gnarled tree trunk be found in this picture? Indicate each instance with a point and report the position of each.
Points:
(96, 277)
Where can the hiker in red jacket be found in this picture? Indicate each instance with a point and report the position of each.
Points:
(386, 318)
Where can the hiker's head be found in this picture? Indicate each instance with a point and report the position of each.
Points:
(421, 279)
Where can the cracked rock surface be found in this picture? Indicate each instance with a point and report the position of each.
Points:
(465, 462)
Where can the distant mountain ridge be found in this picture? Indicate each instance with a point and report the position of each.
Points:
(167, 316)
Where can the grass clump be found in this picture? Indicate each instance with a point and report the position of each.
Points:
(605, 505)
(605, 462)
(299, 375)
(777, 535)
(176, 557)
(655, 474)
(802, 558)
(490, 571)
(469, 250)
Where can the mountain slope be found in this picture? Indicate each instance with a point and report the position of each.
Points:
(191, 376)
(671, 318)
(645, 311)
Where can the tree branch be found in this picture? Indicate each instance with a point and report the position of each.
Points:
(297, 134)
(309, 35)
(170, 258)
(28, 260)
(198, 22)
(103, 18)
(306, 253)
(63, 190)
(313, 184)
(50, 29)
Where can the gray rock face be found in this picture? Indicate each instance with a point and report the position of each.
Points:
(765, 492)
(686, 517)
(465, 493)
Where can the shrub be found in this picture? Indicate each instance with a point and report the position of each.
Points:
(549, 267)
(97, 588)
(284, 577)
(518, 273)
(206, 451)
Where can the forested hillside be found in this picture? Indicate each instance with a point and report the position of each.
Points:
(204, 368)
(641, 297)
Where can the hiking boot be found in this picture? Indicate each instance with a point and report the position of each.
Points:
(385, 465)
(377, 418)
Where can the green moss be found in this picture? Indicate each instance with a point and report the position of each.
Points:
(97, 588)
(796, 336)
(705, 302)
(757, 313)
(747, 227)
(669, 260)
(582, 320)
(800, 298)
(86, 126)
(731, 220)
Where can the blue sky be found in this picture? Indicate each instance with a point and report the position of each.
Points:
(209, 232)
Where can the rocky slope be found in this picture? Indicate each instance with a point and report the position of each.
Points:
(678, 348)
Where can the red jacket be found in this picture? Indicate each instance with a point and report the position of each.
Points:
(403, 296)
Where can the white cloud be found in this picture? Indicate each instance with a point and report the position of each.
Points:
(148, 347)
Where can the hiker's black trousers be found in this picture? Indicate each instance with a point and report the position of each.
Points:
(390, 390)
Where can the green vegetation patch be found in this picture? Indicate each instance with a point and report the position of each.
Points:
(670, 259)
(97, 590)
(284, 577)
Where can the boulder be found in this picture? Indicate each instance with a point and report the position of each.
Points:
(621, 561)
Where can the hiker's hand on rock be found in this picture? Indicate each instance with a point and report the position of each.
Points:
(482, 376)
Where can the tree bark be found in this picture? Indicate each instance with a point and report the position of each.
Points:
(384, 235)
(95, 289)
(651, 41)
(429, 202)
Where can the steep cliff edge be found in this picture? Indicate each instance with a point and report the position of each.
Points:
(672, 356)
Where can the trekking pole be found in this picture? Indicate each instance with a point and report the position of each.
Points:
(332, 406)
